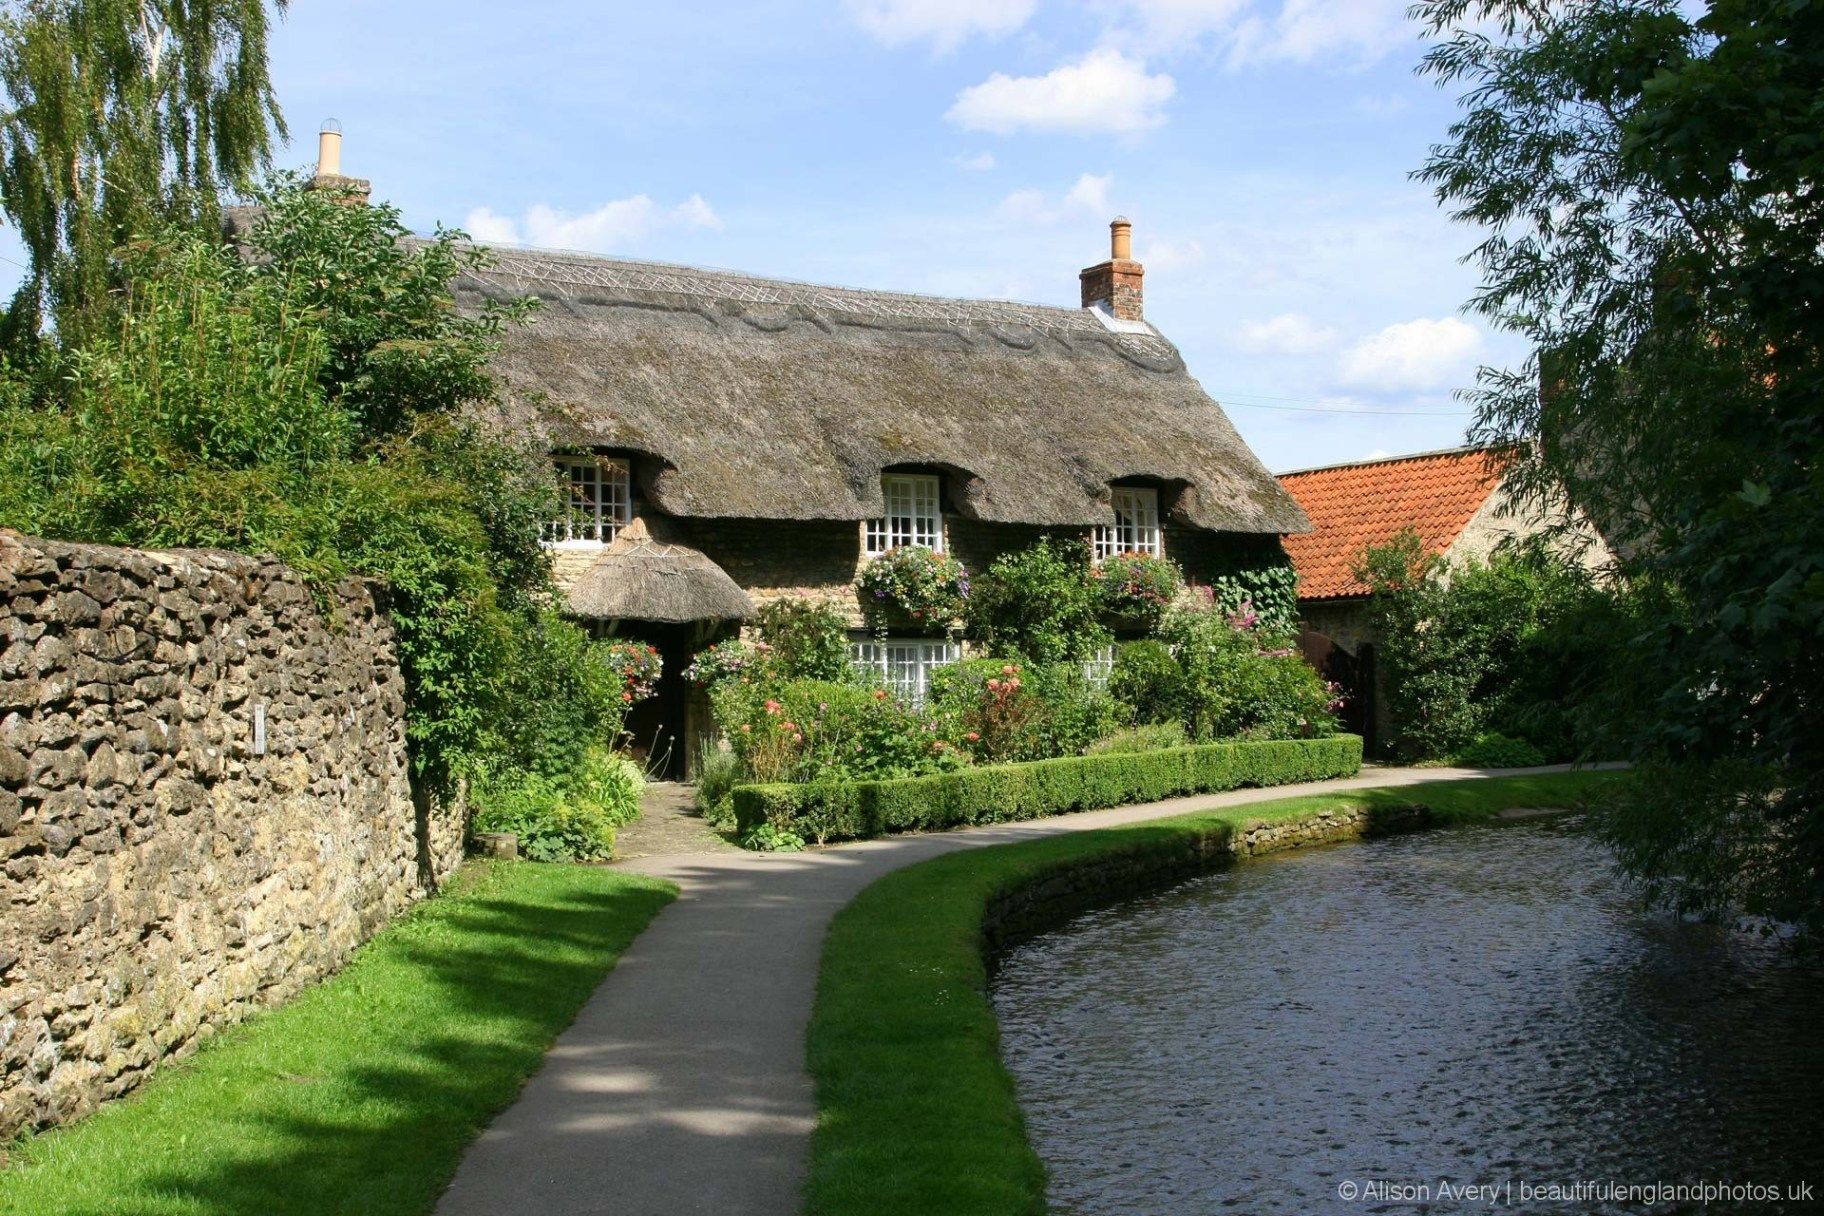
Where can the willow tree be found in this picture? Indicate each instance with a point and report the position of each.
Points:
(1651, 183)
(122, 115)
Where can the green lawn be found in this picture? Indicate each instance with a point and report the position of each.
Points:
(359, 1096)
(916, 1115)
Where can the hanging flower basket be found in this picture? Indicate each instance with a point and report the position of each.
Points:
(638, 666)
(912, 587)
(1136, 588)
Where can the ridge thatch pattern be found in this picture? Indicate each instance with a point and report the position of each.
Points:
(764, 399)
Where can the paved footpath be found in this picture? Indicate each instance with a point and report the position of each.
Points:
(681, 1088)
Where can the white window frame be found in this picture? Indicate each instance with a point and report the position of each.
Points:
(914, 514)
(1136, 526)
(1100, 666)
(598, 494)
(905, 665)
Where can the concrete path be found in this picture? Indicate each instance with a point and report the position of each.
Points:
(681, 1088)
(669, 824)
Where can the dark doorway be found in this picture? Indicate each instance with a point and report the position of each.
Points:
(1354, 674)
(657, 728)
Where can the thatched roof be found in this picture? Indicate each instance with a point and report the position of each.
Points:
(640, 577)
(776, 400)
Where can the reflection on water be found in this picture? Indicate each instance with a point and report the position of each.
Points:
(1476, 1005)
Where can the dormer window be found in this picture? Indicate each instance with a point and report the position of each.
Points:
(598, 501)
(914, 516)
(1136, 526)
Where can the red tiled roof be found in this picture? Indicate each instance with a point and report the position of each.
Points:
(1353, 506)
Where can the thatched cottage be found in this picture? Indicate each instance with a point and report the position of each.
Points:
(728, 439)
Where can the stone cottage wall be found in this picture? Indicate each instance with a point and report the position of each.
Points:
(162, 875)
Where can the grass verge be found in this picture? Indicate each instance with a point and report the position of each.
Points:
(360, 1095)
(915, 1112)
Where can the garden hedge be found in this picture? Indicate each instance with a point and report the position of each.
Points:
(998, 793)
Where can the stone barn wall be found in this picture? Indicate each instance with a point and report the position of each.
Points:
(163, 869)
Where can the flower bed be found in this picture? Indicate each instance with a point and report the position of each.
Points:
(830, 811)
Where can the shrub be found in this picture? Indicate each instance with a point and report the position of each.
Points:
(1496, 750)
(1137, 588)
(1474, 647)
(996, 793)
(1223, 676)
(914, 586)
(998, 710)
(1078, 710)
(806, 640)
(800, 730)
(1150, 738)
(1000, 721)
(569, 694)
(1145, 681)
(561, 820)
(1040, 604)
(719, 771)
(765, 838)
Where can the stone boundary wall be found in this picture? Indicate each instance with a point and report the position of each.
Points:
(204, 806)
(1103, 878)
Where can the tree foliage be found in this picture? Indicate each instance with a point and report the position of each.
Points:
(1510, 646)
(232, 401)
(1039, 604)
(122, 116)
(1649, 185)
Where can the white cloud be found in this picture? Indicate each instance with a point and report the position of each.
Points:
(1351, 32)
(1382, 105)
(1413, 355)
(981, 162)
(943, 23)
(607, 229)
(1088, 195)
(489, 228)
(1105, 91)
(1163, 23)
(1091, 192)
(1289, 333)
(1171, 255)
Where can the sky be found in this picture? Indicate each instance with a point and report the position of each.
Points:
(1262, 149)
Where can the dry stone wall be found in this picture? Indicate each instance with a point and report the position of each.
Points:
(204, 806)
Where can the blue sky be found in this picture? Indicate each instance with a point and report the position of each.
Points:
(970, 147)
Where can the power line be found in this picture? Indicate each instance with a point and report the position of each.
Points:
(1230, 399)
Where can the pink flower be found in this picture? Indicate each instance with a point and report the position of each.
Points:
(974, 736)
(994, 686)
(1009, 669)
(797, 738)
(745, 728)
(880, 694)
(626, 696)
(772, 707)
(788, 726)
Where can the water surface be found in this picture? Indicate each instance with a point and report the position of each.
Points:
(1481, 1005)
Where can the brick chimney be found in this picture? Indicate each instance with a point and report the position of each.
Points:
(1114, 285)
(329, 167)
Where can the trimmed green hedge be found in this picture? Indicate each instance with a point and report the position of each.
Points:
(1003, 792)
